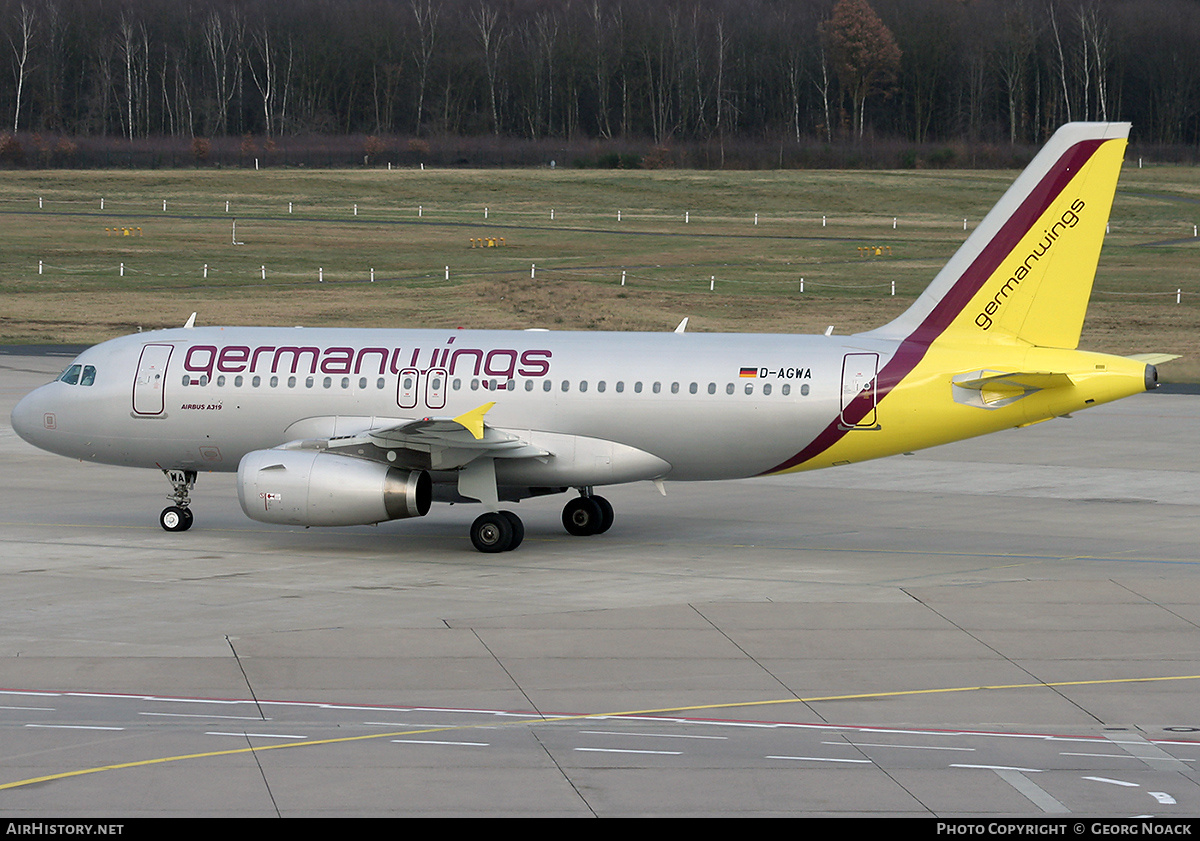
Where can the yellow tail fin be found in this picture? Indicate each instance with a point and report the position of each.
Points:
(1025, 275)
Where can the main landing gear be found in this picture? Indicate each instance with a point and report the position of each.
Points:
(587, 514)
(503, 531)
(178, 517)
(497, 531)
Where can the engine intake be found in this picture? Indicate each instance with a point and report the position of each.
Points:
(306, 488)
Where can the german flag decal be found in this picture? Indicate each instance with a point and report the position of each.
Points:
(749, 372)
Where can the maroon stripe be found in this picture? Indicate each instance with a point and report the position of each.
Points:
(913, 348)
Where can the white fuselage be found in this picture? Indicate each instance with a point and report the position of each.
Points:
(208, 396)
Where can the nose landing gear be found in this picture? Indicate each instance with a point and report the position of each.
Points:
(178, 517)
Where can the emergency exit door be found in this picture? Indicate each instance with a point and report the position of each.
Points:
(859, 395)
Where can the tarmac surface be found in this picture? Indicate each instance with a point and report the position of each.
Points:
(1003, 627)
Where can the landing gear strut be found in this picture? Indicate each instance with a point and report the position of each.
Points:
(587, 514)
(178, 517)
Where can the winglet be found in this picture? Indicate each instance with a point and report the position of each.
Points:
(682, 326)
(472, 421)
(191, 322)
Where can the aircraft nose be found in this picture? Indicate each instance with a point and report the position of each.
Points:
(29, 417)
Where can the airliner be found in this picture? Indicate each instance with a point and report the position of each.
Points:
(337, 427)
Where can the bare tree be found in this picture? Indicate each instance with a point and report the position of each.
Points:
(1015, 54)
(133, 56)
(1096, 55)
(491, 39)
(1062, 61)
(26, 21)
(426, 16)
(222, 47)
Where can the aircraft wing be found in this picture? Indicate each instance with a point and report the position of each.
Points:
(434, 443)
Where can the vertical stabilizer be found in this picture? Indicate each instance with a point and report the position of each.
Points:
(1025, 275)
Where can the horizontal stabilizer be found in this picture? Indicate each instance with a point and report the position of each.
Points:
(1153, 358)
(996, 389)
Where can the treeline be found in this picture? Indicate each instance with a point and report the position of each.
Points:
(660, 71)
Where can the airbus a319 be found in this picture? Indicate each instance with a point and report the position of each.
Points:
(332, 427)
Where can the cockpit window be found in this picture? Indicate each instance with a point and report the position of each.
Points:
(78, 375)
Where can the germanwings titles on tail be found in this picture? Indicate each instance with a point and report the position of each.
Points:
(329, 427)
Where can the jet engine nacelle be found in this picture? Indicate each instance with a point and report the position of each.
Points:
(316, 488)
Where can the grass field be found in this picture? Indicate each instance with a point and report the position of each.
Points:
(672, 234)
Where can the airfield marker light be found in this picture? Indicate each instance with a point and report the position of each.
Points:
(289, 207)
(122, 270)
(712, 283)
(372, 274)
(1178, 295)
(618, 216)
(447, 272)
(164, 205)
(801, 284)
(206, 271)
(822, 221)
(893, 288)
(485, 213)
(552, 214)
(263, 269)
(320, 275)
(964, 224)
(686, 216)
(39, 266)
(1194, 230)
(420, 211)
(755, 218)
(356, 210)
(39, 202)
(532, 270)
(226, 205)
(893, 223)
(101, 204)
(622, 277)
